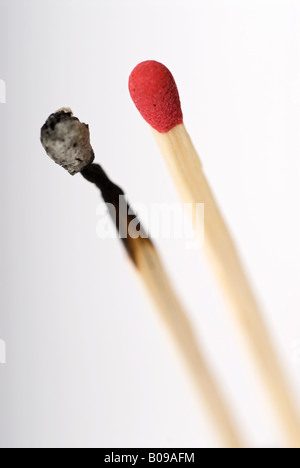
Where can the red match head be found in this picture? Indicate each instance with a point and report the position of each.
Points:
(154, 92)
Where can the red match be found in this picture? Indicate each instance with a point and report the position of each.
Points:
(154, 92)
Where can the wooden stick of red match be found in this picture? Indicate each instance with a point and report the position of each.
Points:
(67, 141)
(154, 92)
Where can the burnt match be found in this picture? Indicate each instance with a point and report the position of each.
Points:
(67, 141)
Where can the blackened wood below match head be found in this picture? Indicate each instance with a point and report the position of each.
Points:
(118, 208)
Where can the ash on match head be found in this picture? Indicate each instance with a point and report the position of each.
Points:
(155, 94)
(67, 141)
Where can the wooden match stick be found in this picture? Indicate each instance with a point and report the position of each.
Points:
(154, 92)
(67, 141)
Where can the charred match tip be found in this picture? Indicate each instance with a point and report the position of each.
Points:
(67, 141)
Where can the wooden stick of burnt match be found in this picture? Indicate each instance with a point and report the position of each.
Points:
(67, 141)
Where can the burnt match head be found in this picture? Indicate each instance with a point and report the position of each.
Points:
(67, 141)
(154, 92)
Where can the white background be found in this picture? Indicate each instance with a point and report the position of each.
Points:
(87, 364)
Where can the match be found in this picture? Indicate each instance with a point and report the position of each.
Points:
(154, 92)
(67, 141)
